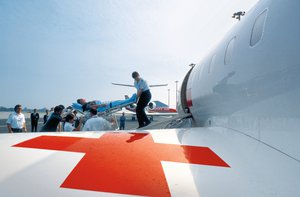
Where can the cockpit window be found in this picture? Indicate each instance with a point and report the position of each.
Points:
(229, 51)
(258, 28)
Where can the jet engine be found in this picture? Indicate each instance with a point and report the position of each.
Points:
(132, 106)
(152, 105)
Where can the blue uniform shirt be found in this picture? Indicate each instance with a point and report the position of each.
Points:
(122, 120)
(141, 85)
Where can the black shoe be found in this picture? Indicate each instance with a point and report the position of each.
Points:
(147, 123)
(141, 126)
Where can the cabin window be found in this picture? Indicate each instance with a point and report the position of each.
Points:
(229, 51)
(212, 64)
(258, 28)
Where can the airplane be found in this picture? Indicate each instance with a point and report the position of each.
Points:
(243, 139)
(159, 107)
(154, 108)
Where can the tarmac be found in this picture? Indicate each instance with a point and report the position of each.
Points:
(159, 122)
(129, 124)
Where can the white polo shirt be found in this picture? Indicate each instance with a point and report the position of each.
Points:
(68, 127)
(141, 85)
(96, 123)
(16, 120)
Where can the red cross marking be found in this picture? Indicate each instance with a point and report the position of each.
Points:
(124, 163)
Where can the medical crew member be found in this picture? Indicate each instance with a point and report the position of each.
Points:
(144, 97)
(53, 123)
(16, 121)
(70, 121)
(96, 123)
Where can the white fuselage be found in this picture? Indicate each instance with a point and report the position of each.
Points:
(250, 81)
(244, 99)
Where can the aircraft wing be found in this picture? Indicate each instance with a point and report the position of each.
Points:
(158, 85)
(121, 84)
(127, 85)
(177, 162)
(161, 114)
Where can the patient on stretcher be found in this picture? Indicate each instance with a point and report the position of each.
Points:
(83, 105)
(86, 106)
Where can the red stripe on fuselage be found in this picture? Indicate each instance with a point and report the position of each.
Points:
(189, 97)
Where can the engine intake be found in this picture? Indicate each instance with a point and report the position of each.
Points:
(132, 106)
(152, 105)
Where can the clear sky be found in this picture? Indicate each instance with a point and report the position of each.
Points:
(55, 51)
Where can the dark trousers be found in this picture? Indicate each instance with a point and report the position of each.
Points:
(122, 126)
(17, 130)
(34, 126)
(140, 109)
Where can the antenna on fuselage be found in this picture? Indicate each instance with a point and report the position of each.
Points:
(238, 15)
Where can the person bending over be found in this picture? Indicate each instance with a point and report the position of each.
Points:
(144, 97)
(55, 118)
(70, 121)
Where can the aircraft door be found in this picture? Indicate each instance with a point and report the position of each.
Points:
(183, 93)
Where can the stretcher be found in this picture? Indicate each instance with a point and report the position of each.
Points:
(111, 106)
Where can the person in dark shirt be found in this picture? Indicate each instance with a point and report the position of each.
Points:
(54, 120)
(46, 116)
(34, 120)
(122, 121)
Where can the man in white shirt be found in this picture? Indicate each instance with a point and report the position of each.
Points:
(96, 123)
(16, 121)
(144, 97)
